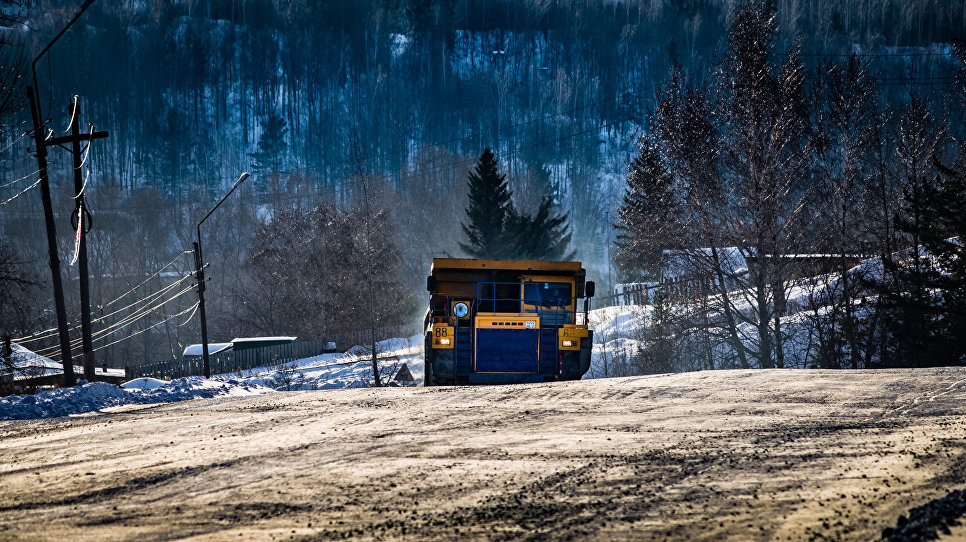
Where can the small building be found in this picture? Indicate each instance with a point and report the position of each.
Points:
(236, 345)
(248, 343)
(197, 350)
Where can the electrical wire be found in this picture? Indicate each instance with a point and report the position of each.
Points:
(173, 316)
(15, 141)
(22, 192)
(147, 299)
(87, 149)
(156, 273)
(73, 115)
(84, 186)
(27, 176)
(135, 316)
(193, 307)
(190, 316)
(53, 331)
(140, 313)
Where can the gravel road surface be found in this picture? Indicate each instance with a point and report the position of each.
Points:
(739, 455)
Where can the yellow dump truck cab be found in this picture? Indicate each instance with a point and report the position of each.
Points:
(506, 321)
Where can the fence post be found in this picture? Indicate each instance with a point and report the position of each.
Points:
(7, 356)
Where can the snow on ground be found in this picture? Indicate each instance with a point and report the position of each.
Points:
(619, 330)
(617, 340)
(617, 334)
(95, 396)
(142, 384)
(352, 369)
(28, 364)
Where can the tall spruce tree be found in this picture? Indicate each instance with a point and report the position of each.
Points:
(495, 229)
(646, 216)
(545, 235)
(270, 155)
(944, 238)
(909, 301)
(488, 210)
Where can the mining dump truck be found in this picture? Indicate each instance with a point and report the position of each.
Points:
(506, 321)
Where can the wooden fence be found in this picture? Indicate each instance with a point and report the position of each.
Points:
(268, 356)
(678, 290)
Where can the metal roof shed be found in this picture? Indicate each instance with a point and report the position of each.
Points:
(248, 343)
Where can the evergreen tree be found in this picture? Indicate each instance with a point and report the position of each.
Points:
(646, 216)
(944, 238)
(271, 145)
(543, 236)
(657, 354)
(497, 230)
(910, 304)
(489, 206)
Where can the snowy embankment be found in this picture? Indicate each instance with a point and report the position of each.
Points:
(620, 331)
(617, 338)
(352, 369)
(96, 396)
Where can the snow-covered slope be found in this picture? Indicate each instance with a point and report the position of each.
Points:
(352, 369)
(95, 396)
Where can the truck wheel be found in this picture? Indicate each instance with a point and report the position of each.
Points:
(428, 363)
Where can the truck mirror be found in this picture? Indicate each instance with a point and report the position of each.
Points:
(430, 283)
(589, 288)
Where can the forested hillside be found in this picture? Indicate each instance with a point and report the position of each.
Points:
(329, 102)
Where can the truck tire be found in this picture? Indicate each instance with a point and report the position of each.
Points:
(428, 362)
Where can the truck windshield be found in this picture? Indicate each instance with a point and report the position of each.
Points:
(547, 295)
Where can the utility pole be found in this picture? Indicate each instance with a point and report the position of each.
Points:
(200, 274)
(40, 139)
(83, 226)
(41, 153)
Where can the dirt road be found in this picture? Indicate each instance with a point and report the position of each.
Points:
(742, 455)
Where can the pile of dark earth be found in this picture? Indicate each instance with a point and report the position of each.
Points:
(929, 521)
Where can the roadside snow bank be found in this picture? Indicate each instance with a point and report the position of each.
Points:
(352, 369)
(145, 383)
(96, 396)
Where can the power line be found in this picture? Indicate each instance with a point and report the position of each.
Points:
(172, 317)
(148, 299)
(15, 141)
(156, 273)
(141, 313)
(52, 331)
(15, 181)
(22, 192)
(135, 316)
